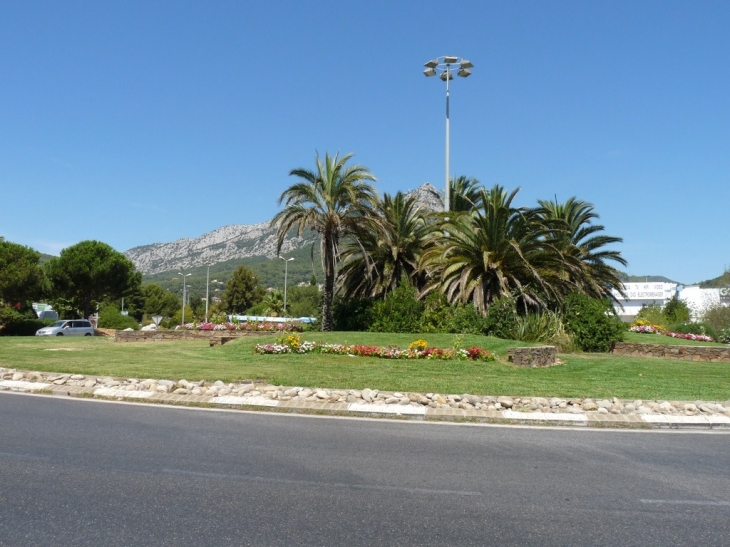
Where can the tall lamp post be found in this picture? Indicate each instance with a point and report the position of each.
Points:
(183, 305)
(286, 271)
(445, 66)
(207, 278)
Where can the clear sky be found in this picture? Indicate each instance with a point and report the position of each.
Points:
(134, 122)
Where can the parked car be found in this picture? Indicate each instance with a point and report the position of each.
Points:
(67, 327)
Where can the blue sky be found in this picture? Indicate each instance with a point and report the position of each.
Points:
(139, 122)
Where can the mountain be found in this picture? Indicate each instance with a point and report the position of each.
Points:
(237, 242)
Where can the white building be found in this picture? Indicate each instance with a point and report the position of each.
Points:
(698, 300)
(640, 295)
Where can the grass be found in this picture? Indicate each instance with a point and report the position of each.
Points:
(582, 375)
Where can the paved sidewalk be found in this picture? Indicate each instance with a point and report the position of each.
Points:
(507, 416)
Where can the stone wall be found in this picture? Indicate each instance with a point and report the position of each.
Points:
(172, 335)
(713, 354)
(542, 356)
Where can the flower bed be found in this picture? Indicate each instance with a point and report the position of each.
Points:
(292, 344)
(645, 327)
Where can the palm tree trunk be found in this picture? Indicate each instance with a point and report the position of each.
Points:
(329, 282)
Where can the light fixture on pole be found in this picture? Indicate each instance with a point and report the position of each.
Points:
(444, 67)
(183, 302)
(286, 271)
(207, 278)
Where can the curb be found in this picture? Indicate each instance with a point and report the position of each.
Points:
(579, 419)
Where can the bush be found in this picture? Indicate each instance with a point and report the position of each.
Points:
(676, 311)
(544, 328)
(502, 317)
(592, 322)
(401, 311)
(717, 316)
(652, 315)
(17, 323)
(111, 318)
(351, 314)
(439, 316)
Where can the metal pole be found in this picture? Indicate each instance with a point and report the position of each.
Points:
(286, 271)
(183, 307)
(207, 277)
(447, 190)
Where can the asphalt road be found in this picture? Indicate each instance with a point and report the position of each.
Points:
(77, 472)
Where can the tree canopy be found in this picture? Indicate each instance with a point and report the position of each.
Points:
(331, 200)
(90, 272)
(242, 291)
(21, 276)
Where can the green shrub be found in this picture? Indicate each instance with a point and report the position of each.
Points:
(724, 336)
(438, 316)
(717, 316)
(111, 318)
(592, 322)
(17, 323)
(401, 311)
(544, 328)
(676, 311)
(351, 314)
(653, 314)
(502, 317)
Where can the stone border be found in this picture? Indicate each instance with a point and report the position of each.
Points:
(174, 335)
(711, 354)
(368, 402)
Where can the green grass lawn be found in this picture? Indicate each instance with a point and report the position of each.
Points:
(582, 375)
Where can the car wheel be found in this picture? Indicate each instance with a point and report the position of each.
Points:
(87, 334)
(59, 334)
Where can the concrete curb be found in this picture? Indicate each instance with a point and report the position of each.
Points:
(582, 419)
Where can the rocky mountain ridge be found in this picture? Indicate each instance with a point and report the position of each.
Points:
(236, 241)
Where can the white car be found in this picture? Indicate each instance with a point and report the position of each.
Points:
(67, 327)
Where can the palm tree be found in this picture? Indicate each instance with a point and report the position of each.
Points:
(385, 249)
(495, 251)
(330, 200)
(465, 194)
(573, 234)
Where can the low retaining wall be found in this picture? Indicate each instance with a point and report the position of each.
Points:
(172, 335)
(542, 356)
(712, 354)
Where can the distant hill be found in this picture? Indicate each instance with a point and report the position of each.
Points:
(718, 282)
(251, 245)
(626, 278)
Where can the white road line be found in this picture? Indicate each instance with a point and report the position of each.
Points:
(387, 409)
(687, 502)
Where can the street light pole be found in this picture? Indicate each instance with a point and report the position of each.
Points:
(286, 271)
(183, 300)
(207, 278)
(443, 67)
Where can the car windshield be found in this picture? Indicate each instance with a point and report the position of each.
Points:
(58, 324)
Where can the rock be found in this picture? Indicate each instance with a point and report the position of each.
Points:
(18, 376)
(77, 376)
(589, 405)
(506, 402)
(689, 407)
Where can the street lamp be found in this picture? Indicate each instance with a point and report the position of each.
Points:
(207, 278)
(444, 67)
(286, 271)
(183, 303)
